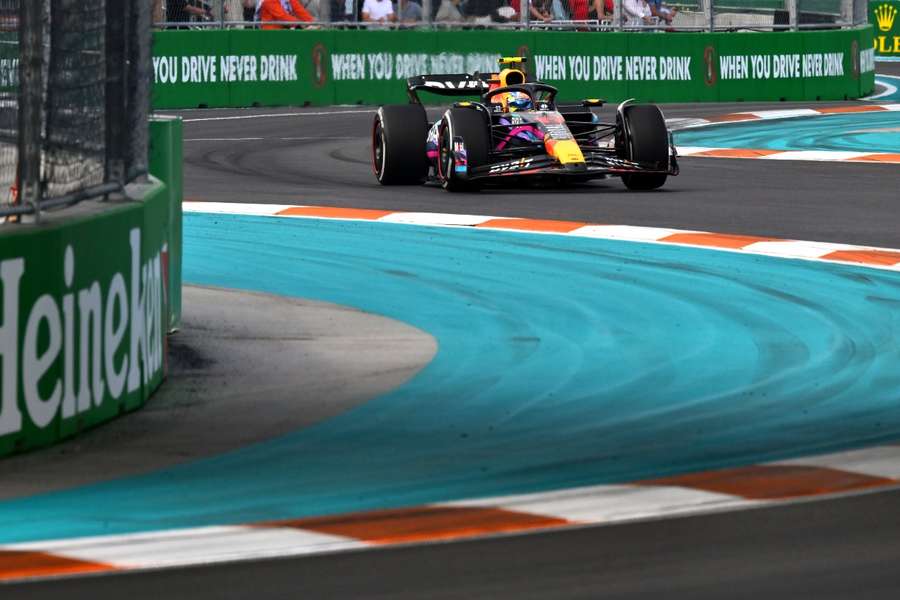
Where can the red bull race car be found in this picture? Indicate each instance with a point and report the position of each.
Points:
(516, 131)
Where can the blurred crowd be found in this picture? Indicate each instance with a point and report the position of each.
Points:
(277, 14)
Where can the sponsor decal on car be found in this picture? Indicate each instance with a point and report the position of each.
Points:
(460, 157)
(513, 165)
(455, 85)
(557, 131)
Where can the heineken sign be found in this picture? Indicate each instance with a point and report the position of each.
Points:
(84, 308)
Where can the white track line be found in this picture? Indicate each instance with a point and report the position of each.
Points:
(280, 115)
(890, 90)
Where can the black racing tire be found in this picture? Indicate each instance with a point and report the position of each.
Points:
(398, 144)
(642, 136)
(471, 125)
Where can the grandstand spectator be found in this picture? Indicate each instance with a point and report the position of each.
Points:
(539, 10)
(660, 10)
(485, 12)
(249, 10)
(378, 11)
(184, 11)
(637, 12)
(344, 10)
(269, 12)
(408, 11)
(448, 11)
(312, 7)
(156, 11)
(560, 10)
(582, 10)
(232, 10)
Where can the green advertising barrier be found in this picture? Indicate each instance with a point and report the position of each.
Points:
(240, 68)
(83, 316)
(166, 165)
(883, 15)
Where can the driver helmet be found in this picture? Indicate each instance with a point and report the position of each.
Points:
(518, 101)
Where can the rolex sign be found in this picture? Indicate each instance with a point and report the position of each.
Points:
(884, 18)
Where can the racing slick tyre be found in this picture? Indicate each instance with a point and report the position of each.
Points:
(472, 127)
(642, 136)
(398, 144)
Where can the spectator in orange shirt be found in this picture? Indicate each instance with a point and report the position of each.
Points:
(281, 10)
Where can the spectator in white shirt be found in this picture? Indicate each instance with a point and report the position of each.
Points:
(378, 11)
(637, 12)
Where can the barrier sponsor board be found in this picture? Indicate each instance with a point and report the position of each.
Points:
(82, 322)
(883, 15)
(270, 68)
(84, 311)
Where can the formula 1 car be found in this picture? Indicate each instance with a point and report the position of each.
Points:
(517, 131)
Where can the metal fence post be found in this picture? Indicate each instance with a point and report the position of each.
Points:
(792, 14)
(524, 12)
(847, 13)
(117, 20)
(140, 69)
(31, 102)
(617, 15)
(710, 9)
(860, 12)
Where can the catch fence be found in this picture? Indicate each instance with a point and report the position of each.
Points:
(582, 15)
(74, 100)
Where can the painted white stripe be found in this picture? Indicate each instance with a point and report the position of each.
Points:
(420, 218)
(786, 113)
(689, 150)
(195, 546)
(764, 115)
(246, 139)
(685, 123)
(816, 155)
(883, 461)
(322, 137)
(610, 503)
(801, 155)
(280, 115)
(281, 139)
(791, 249)
(796, 249)
(889, 90)
(625, 232)
(229, 208)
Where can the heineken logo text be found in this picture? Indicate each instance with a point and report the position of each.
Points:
(77, 350)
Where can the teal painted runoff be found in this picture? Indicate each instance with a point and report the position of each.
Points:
(856, 132)
(562, 362)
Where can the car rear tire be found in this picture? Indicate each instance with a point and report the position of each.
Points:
(398, 144)
(470, 125)
(642, 136)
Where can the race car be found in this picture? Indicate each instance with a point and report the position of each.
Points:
(516, 131)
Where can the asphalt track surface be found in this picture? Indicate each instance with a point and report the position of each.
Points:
(330, 165)
(844, 548)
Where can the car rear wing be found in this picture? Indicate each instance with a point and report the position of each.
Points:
(452, 84)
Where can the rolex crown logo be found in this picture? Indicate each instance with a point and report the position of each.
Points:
(885, 15)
